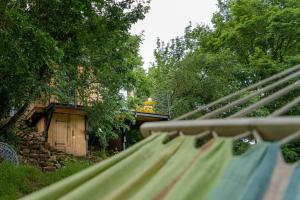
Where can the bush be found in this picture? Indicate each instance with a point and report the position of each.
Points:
(10, 138)
(133, 136)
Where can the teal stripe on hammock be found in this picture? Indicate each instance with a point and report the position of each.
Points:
(293, 190)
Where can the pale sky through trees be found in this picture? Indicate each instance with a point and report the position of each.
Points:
(167, 19)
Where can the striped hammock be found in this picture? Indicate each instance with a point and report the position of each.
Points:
(170, 164)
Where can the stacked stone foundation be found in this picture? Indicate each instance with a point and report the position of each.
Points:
(34, 150)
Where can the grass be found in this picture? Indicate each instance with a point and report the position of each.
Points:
(17, 181)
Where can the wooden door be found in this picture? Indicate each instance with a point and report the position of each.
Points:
(77, 124)
(61, 135)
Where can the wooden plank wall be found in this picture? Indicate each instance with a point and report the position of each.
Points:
(40, 125)
(67, 133)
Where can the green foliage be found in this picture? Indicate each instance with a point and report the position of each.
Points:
(133, 136)
(70, 168)
(269, 26)
(70, 48)
(27, 56)
(240, 146)
(140, 86)
(108, 118)
(17, 181)
(193, 81)
(291, 151)
(251, 40)
(10, 138)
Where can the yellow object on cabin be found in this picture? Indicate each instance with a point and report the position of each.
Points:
(148, 106)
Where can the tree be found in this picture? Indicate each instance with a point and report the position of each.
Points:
(250, 40)
(140, 87)
(27, 58)
(263, 34)
(78, 46)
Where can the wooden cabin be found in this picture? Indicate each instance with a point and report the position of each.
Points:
(62, 125)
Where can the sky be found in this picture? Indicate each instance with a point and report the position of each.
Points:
(168, 19)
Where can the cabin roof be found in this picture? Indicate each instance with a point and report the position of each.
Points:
(146, 117)
(38, 112)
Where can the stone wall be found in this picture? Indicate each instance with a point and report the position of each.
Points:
(33, 150)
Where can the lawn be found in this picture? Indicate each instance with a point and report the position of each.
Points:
(17, 181)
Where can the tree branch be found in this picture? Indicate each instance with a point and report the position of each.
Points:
(9, 124)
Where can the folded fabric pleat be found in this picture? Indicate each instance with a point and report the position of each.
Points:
(240, 169)
(172, 168)
(280, 179)
(293, 190)
(260, 179)
(165, 178)
(202, 176)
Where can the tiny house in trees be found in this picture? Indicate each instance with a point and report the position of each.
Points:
(62, 125)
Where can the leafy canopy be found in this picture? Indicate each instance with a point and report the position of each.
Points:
(67, 48)
(250, 40)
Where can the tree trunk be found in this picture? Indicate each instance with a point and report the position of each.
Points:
(12, 121)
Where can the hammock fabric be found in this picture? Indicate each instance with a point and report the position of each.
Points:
(153, 169)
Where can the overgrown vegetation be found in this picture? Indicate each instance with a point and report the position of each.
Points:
(74, 50)
(81, 48)
(249, 41)
(17, 181)
(291, 151)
